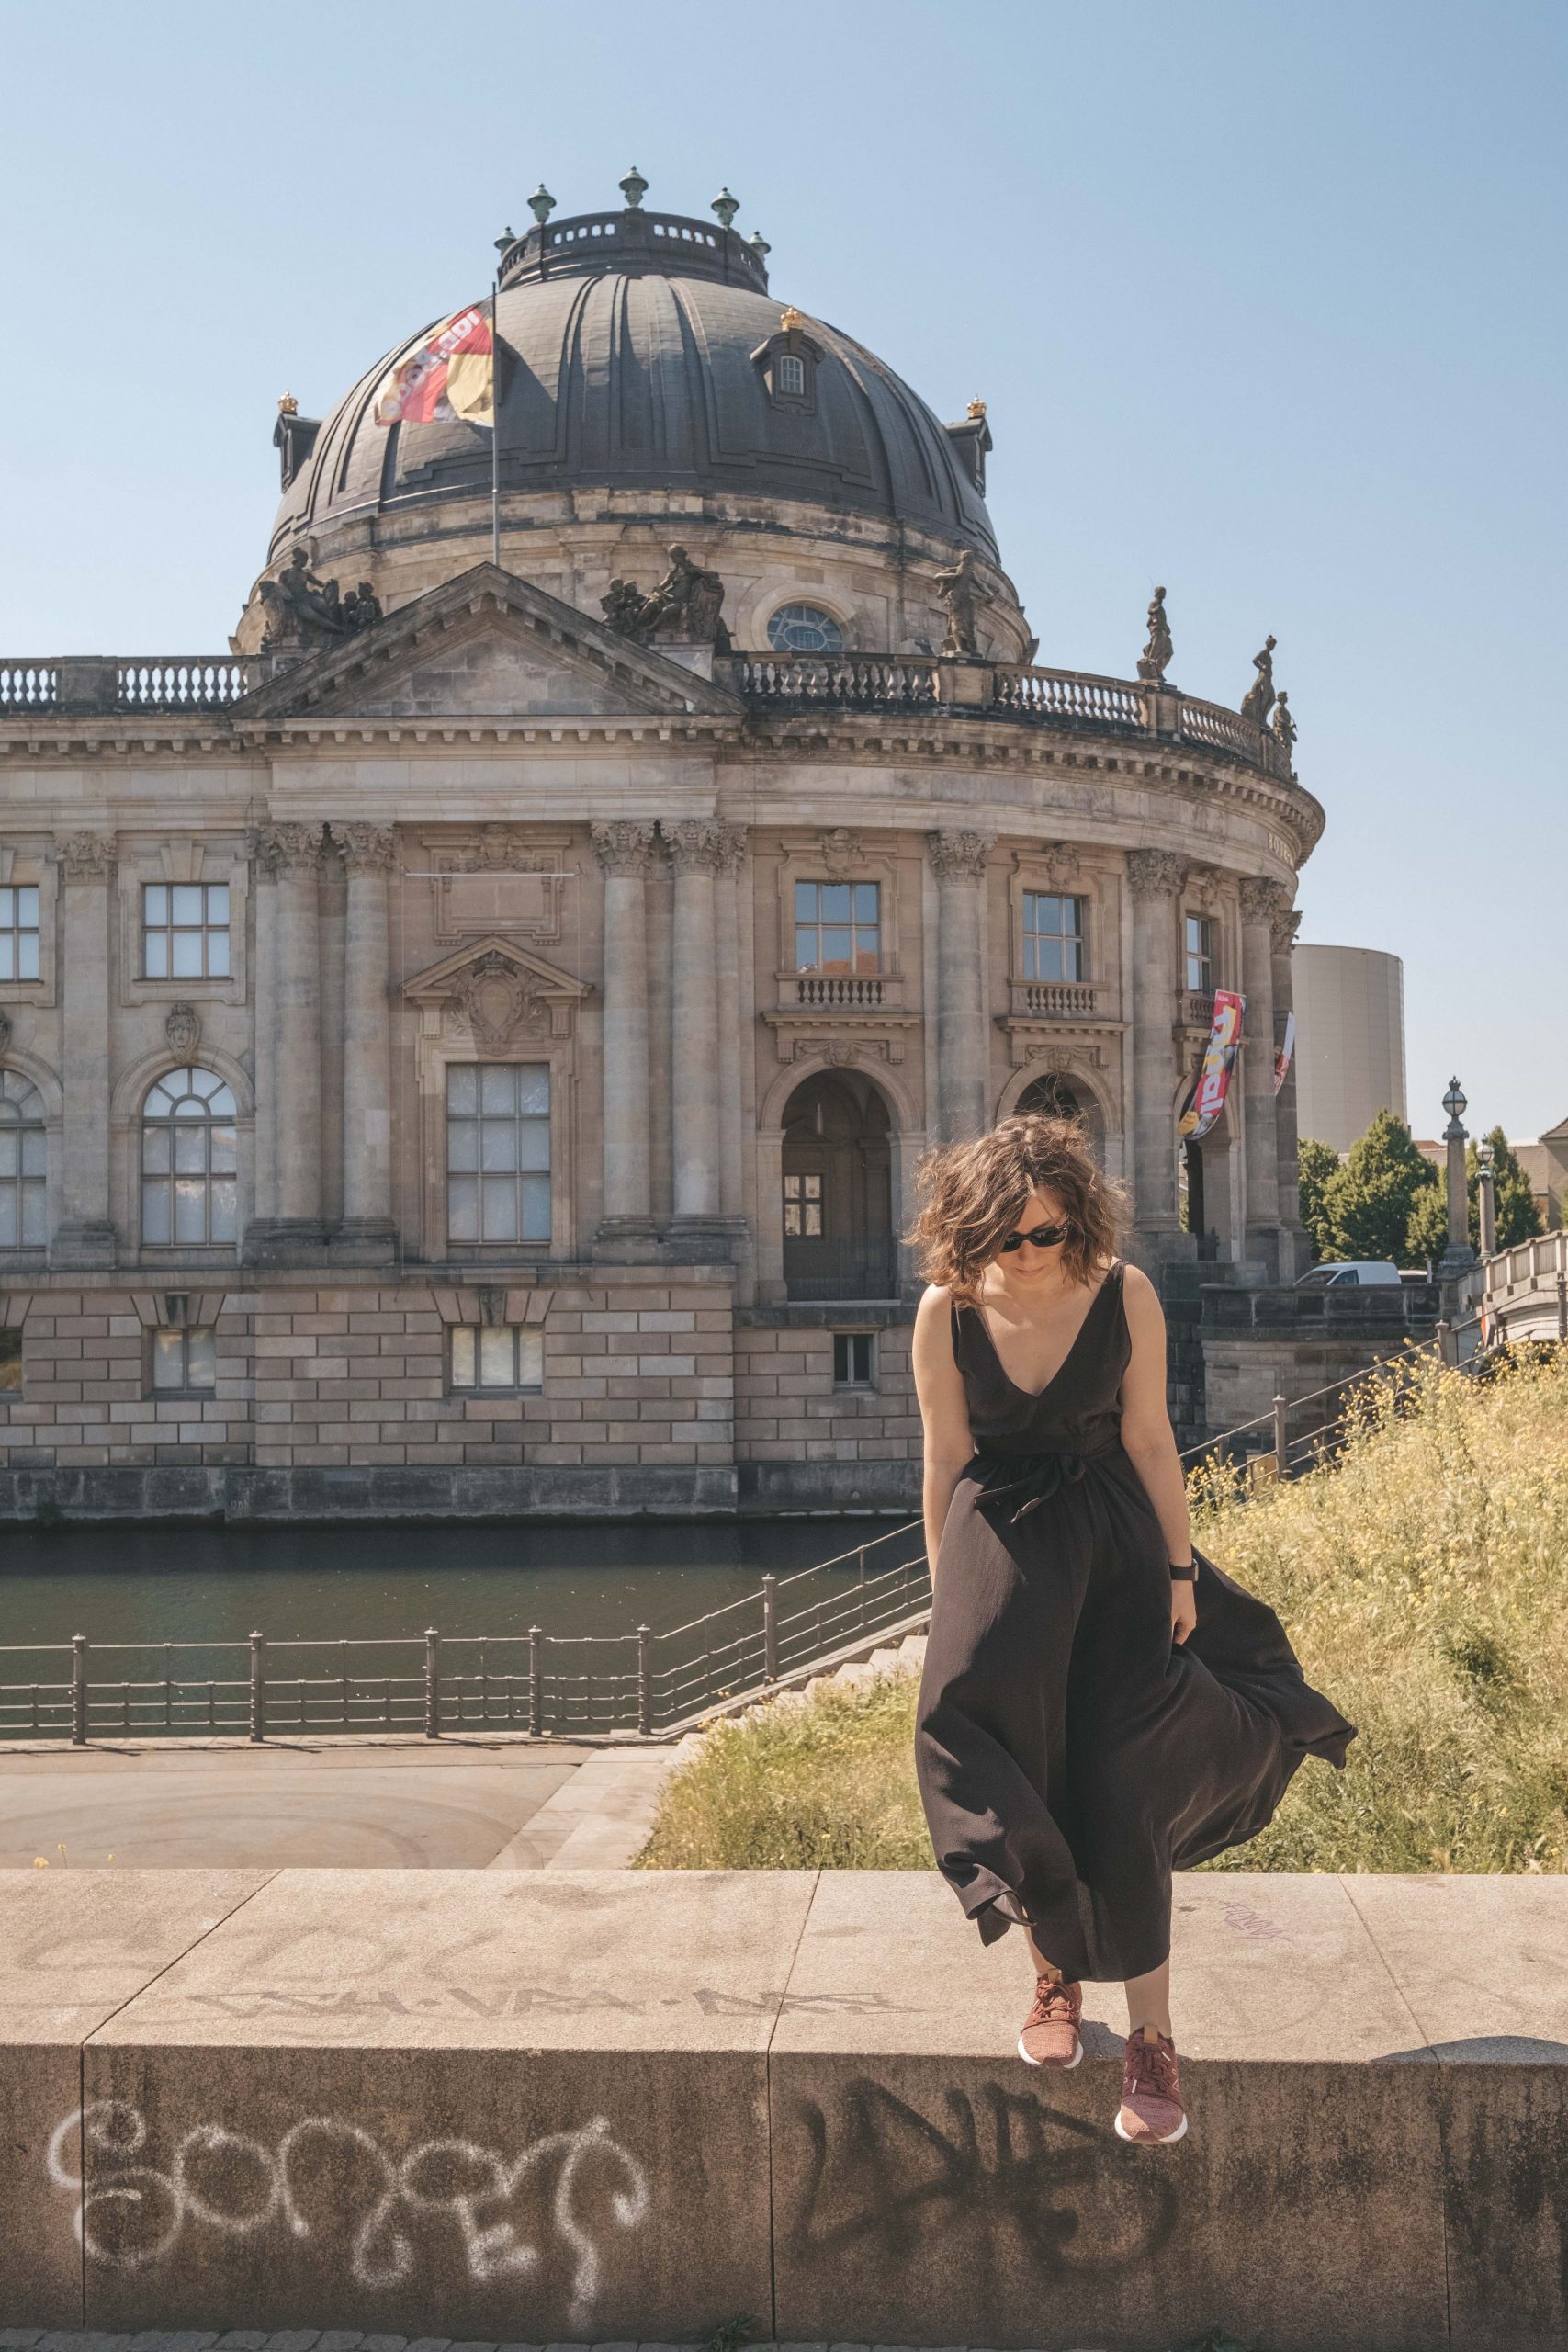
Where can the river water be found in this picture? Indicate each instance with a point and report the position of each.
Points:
(215, 1584)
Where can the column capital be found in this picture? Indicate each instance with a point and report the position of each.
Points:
(286, 849)
(960, 857)
(1283, 929)
(367, 849)
(732, 841)
(623, 844)
(694, 843)
(85, 857)
(1262, 901)
(1155, 873)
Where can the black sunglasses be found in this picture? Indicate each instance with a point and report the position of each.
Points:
(1043, 1237)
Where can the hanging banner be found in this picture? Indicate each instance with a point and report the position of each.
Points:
(1283, 1058)
(1219, 1061)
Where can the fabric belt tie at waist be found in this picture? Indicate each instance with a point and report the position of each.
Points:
(1045, 1476)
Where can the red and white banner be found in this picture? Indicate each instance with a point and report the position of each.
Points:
(449, 379)
(1219, 1061)
(1283, 1058)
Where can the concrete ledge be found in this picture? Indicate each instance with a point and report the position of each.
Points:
(597, 2106)
(239, 1492)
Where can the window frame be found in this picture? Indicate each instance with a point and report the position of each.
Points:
(802, 1203)
(1207, 951)
(852, 1342)
(850, 968)
(174, 1126)
(169, 931)
(184, 1333)
(1078, 900)
(472, 1335)
(806, 652)
(521, 1174)
(15, 933)
(25, 1183)
(13, 1350)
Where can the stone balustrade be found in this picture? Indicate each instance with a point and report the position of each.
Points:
(407, 2101)
(1070, 699)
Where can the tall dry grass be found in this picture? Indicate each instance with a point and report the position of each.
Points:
(1424, 1578)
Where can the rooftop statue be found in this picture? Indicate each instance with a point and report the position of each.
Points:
(1259, 698)
(1155, 658)
(304, 613)
(961, 595)
(684, 609)
(1284, 727)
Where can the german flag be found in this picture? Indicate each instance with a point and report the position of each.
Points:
(449, 379)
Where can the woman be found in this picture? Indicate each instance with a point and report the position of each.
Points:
(1093, 1713)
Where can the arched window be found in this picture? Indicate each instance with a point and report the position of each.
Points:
(22, 1163)
(804, 628)
(189, 1159)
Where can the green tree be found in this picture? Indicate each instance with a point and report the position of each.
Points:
(1369, 1205)
(1427, 1235)
(1317, 1164)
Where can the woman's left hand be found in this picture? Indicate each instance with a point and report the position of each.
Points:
(1183, 1611)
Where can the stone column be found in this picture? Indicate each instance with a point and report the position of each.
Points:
(962, 1045)
(367, 854)
(732, 845)
(1262, 905)
(694, 852)
(297, 850)
(1291, 1255)
(1154, 876)
(264, 1017)
(622, 847)
(85, 1234)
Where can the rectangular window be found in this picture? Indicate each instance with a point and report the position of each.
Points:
(185, 931)
(803, 1204)
(1052, 937)
(497, 1355)
(1200, 952)
(184, 1363)
(854, 1359)
(11, 1362)
(838, 927)
(18, 932)
(498, 1151)
(789, 375)
(23, 1215)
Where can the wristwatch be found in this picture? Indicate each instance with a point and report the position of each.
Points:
(1188, 1574)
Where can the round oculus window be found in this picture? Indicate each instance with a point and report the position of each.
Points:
(804, 628)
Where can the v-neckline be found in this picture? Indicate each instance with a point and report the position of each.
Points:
(1034, 1395)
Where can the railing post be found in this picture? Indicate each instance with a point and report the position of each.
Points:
(536, 1687)
(432, 1683)
(1282, 1439)
(1447, 1354)
(643, 1682)
(1563, 1306)
(78, 1690)
(771, 1628)
(860, 1614)
(258, 1689)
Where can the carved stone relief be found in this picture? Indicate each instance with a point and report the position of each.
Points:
(623, 844)
(86, 857)
(182, 1026)
(960, 857)
(495, 999)
(1155, 873)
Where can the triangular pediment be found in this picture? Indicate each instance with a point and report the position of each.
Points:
(498, 993)
(486, 646)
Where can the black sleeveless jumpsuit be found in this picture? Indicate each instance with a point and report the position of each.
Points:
(1069, 1753)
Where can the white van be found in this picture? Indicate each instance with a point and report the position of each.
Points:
(1348, 1273)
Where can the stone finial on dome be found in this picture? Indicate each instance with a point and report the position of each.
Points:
(726, 206)
(634, 187)
(541, 204)
(507, 239)
(759, 245)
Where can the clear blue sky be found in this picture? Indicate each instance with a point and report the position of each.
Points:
(1267, 300)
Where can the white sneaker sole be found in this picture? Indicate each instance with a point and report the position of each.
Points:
(1046, 2062)
(1169, 2141)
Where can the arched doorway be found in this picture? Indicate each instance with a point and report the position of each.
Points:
(1053, 1096)
(838, 1191)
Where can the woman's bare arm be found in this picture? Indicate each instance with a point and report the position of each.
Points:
(944, 1414)
(1148, 1438)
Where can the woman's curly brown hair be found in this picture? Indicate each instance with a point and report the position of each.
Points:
(973, 1194)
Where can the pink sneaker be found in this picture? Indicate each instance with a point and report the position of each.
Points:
(1151, 2113)
(1050, 2036)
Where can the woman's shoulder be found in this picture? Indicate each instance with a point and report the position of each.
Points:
(936, 1303)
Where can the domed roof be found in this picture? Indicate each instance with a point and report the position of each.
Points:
(635, 354)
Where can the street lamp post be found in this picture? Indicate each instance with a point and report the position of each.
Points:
(1459, 1253)
(1486, 1187)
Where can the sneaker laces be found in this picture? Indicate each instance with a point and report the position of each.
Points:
(1056, 2000)
(1151, 2069)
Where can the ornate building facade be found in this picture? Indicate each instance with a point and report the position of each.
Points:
(468, 1047)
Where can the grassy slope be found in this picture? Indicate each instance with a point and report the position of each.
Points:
(1424, 1580)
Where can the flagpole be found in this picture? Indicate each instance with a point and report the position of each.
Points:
(495, 419)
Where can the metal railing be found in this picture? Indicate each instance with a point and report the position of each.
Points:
(567, 1685)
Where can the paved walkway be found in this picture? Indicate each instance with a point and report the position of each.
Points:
(342, 1805)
